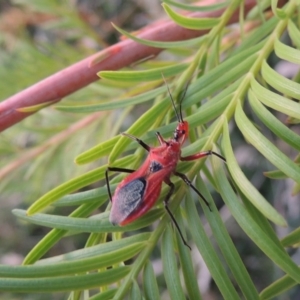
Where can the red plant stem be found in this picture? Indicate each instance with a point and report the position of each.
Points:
(53, 88)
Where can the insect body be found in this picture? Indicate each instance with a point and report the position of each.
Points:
(138, 192)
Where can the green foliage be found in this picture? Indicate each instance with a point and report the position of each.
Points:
(225, 78)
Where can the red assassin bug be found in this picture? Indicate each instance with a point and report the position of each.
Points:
(139, 191)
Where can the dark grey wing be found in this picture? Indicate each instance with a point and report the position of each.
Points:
(128, 198)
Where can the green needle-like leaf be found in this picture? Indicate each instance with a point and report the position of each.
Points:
(286, 52)
(100, 195)
(184, 6)
(99, 223)
(60, 284)
(142, 76)
(246, 186)
(273, 123)
(92, 251)
(135, 292)
(186, 263)
(275, 101)
(273, 154)
(208, 253)
(227, 247)
(150, 283)
(55, 235)
(278, 287)
(113, 104)
(170, 266)
(251, 228)
(159, 44)
(190, 23)
(106, 295)
(294, 33)
(81, 265)
(293, 238)
(279, 82)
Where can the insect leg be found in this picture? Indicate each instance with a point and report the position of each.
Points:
(114, 170)
(160, 138)
(171, 191)
(202, 154)
(144, 145)
(189, 183)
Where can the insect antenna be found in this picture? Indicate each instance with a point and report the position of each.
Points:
(181, 100)
(178, 116)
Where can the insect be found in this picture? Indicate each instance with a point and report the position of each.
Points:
(139, 191)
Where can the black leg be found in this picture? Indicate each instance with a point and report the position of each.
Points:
(218, 155)
(189, 183)
(171, 191)
(144, 145)
(201, 155)
(114, 170)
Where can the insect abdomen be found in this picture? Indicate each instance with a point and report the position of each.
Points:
(126, 200)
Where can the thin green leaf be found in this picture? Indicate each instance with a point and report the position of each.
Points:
(65, 283)
(251, 228)
(135, 293)
(92, 251)
(208, 253)
(271, 152)
(145, 75)
(258, 36)
(35, 108)
(273, 123)
(197, 7)
(212, 82)
(160, 44)
(294, 33)
(186, 263)
(278, 287)
(190, 23)
(170, 266)
(286, 52)
(111, 105)
(100, 195)
(276, 174)
(277, 11)
(227, 246)
(97, 223)
(149, 283)
(275, 101)
(246, 186)
(279, 82)
(258, 10)
(293, 238)
(259, 218)
(106, 295)
(81, 265)
(55, 235)
(96, 151)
